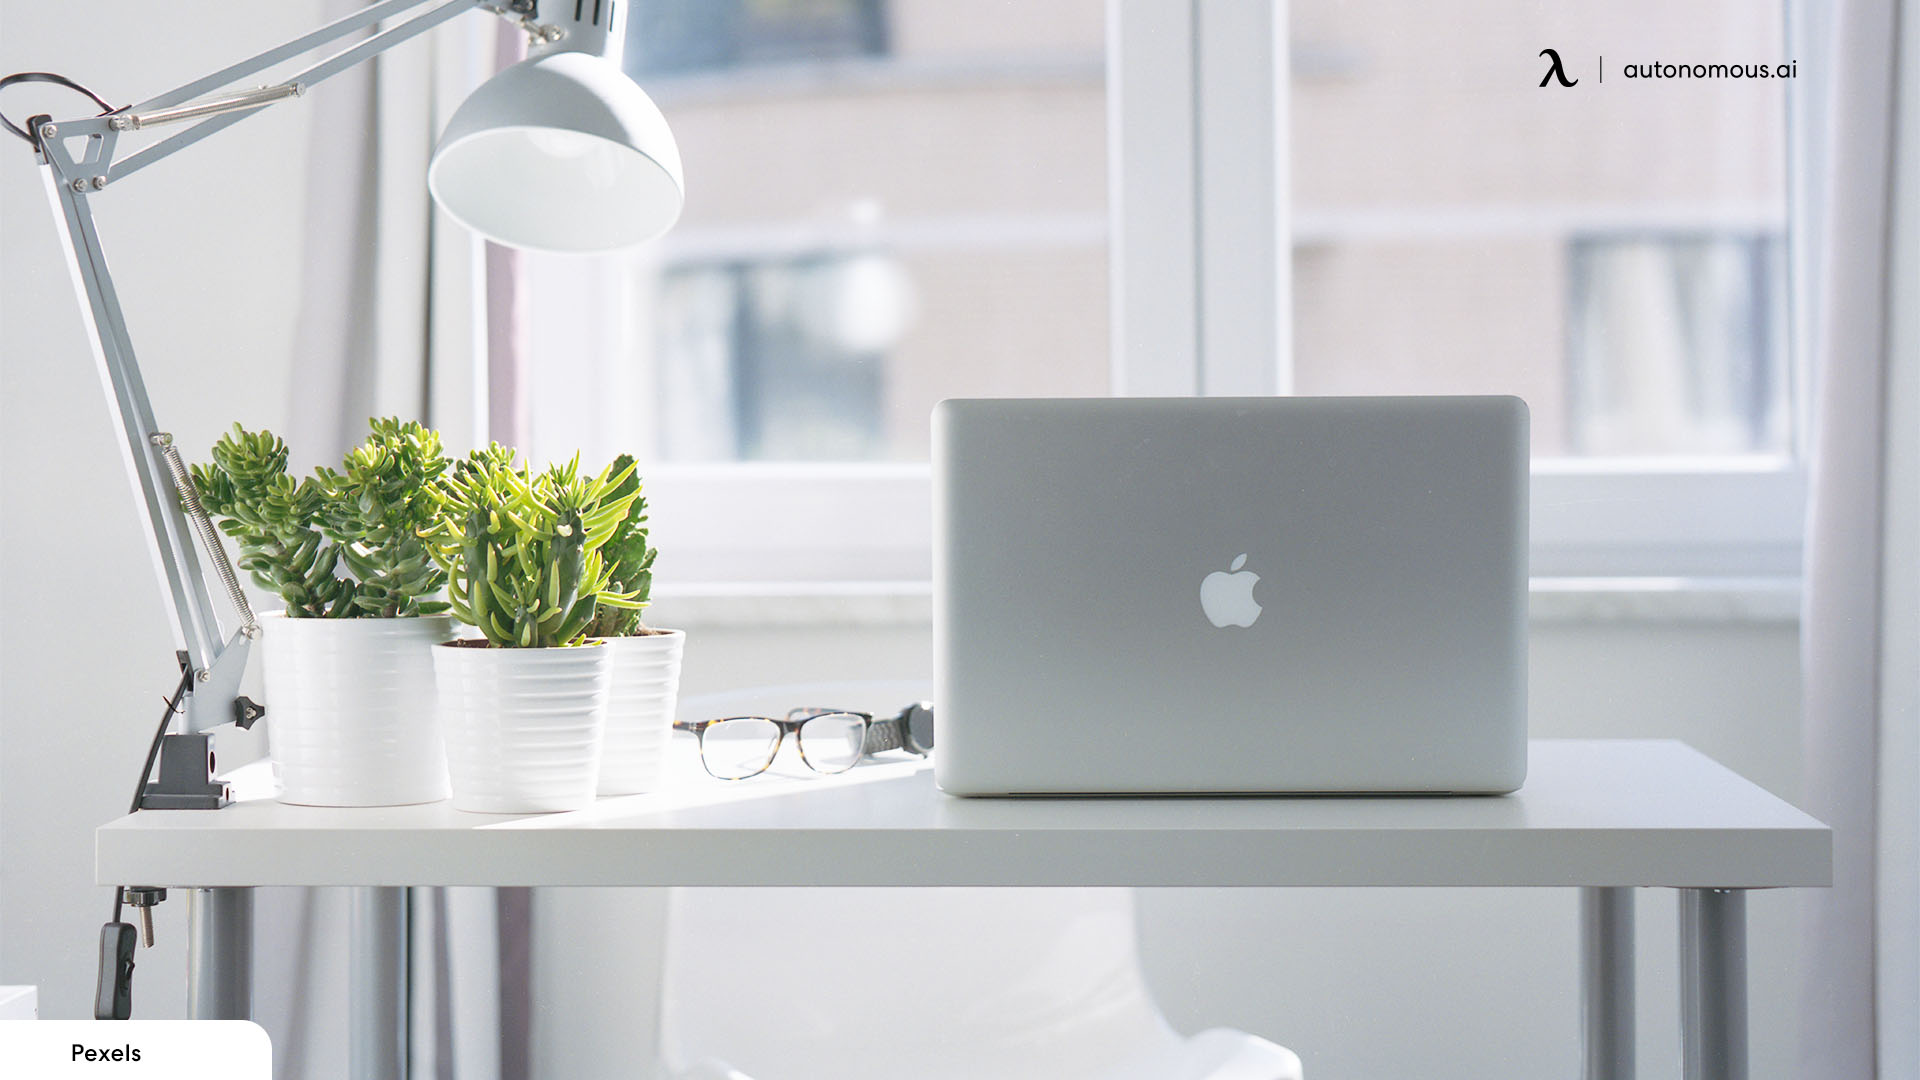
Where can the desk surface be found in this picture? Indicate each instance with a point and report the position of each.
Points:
(1591, 813)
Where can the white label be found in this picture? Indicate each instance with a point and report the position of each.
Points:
(156, 1049)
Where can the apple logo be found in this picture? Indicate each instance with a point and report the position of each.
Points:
(1227, 595)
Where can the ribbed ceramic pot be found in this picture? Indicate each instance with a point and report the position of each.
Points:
(523, 726)
(350, 709)
(640, 704)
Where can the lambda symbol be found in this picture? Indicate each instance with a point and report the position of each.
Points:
(1555, 71)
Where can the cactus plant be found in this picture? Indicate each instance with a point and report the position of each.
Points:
(523, 551)
(338, 544)
(629, 558)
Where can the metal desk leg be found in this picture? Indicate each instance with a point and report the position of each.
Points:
(1606, 983)
(377, 984)
(1713, 986)
(220, 954)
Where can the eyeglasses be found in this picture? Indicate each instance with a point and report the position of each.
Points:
(830, 740)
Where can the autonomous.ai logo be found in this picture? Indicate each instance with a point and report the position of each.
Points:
(1761, 71)
(1555, 70)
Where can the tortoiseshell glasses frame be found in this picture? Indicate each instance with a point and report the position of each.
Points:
(754, 741)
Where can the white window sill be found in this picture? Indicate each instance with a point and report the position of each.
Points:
(1650, 599)
(759, 605)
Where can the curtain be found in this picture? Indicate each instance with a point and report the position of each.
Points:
(393, 308)
(1897, 818)
(396, 319)
(1857, 629)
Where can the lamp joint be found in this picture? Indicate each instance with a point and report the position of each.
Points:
(526, 15)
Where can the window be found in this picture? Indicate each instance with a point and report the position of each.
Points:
(895, 201)
(780, 358)
(888, 204)
(666, 37)
(1613, 250)
(1676, 344)
(1617, 252)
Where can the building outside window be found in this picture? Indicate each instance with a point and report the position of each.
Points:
(667, 37)
(1676, 343)
(895, 201)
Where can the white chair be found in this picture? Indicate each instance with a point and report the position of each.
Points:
(927, 984)
(19, 1002)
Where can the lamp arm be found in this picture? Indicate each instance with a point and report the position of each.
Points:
(216, 666)
(160, 486)
(305, 43)
(224, 112)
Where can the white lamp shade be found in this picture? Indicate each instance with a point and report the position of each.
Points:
(560, 152)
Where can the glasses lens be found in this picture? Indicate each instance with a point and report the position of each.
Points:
(831, 742)
(739, 747)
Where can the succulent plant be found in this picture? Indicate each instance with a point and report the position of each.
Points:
(336, 544)
(522, 551)
(629, 558)
(377, 504)
(276, 521)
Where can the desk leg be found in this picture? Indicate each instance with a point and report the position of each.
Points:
(1606, 983)
(377, 984)
(1713, 987)
(220, 954)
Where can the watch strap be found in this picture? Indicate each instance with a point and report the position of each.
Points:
(883, 735)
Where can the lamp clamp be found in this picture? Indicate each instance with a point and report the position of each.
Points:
(186, 780)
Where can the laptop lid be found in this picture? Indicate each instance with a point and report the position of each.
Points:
(1230, 595)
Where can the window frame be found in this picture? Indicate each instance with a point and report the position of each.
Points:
(1201, 305)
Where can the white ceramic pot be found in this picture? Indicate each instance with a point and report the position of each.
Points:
(640, 704)
(350, 709)
(523, 726)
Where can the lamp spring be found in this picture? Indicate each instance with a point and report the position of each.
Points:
(203, 525)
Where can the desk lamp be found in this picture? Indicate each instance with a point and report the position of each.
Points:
(560, 152)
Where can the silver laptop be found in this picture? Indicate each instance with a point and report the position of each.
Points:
(1230, 595)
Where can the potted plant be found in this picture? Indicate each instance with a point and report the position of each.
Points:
(645, 660)
(523, 707)
(348, 666)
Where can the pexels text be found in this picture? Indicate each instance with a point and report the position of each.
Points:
(83, 1052)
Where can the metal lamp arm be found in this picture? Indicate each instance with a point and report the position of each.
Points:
(226, 110)
(157, 475)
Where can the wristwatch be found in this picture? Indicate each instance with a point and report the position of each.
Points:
(911, 729)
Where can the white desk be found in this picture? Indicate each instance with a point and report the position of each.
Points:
(1601, 815)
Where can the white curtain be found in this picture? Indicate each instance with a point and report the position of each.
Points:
(1897, 819)
(1859, 638)
(394, 321)
(393, 308)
